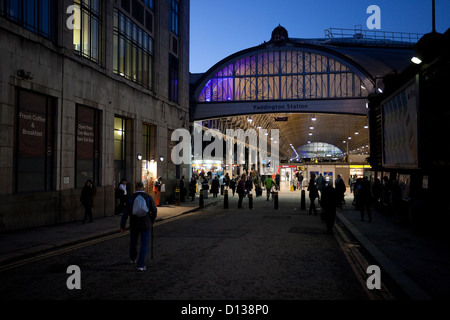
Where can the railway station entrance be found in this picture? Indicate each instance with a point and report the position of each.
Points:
(313, 91)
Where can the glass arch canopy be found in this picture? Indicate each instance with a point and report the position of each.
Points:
(282, 75)
(317, 150)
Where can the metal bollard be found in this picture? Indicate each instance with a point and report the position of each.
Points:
(302, 202)
(177, 196)
(250, 201)
(225, 199)
(200, 203)
(275, 197)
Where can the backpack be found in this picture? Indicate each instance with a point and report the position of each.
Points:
(140, 207)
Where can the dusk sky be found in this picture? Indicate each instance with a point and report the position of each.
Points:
(221, 28)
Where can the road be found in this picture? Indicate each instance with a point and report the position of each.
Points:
(211, 254)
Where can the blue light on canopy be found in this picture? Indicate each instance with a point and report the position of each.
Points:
(282, 75)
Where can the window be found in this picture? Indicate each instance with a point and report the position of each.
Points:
(148, 141)
(173, 78)
(87, 31)
(35, 142)
(133, 51)
(120, 147)
(35, 15)
(282, 75)
(87, 146)
(149, 4)
(173, 16)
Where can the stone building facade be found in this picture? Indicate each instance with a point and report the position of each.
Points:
(89, 89)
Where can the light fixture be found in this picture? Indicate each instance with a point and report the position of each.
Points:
(366, 126)
(152, 160)
(139, 156)
(311, 128)
(356, 132)
(161, 158)
(380, 90)
(314, 118)
(416, 60)
(26, 75)
(249, 120)
(349, 138)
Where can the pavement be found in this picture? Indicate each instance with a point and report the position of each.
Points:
(419, 265)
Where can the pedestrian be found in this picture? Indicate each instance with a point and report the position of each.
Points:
(227, 180)
(157, 190)
(248, 186)
(215, 185)
(321, 183)
(365, 199)
(340, 188)
(240, 189)
(328, 203)
(376, 192)
(140, 224)
(313, 194)
(87, 200)
(269, 182)
(192, 187)
(182, 189)
(205, 187)
(277, 181)
(300, 181)
(121, 196)
(233, 185)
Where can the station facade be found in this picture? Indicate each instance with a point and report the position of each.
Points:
(90, 89)
(286, 83)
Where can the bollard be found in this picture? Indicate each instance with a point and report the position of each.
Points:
(225, 199)
(201, 199)
(250, 201)
(302, 202)
(275, 203)
(177, 196)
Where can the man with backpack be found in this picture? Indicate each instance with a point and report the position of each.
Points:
(142, 211)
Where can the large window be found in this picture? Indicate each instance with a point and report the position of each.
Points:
(173, 16)
(87, 146)
(35, 15)
(34, 142)
(282, 75)
(133, 51)
(148, 142)
(173, 78)
(87, 32)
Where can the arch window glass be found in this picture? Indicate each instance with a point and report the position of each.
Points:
(282, 75)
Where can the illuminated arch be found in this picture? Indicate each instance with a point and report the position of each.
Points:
(284, 74)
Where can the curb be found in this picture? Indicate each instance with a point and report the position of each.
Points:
(411, 289)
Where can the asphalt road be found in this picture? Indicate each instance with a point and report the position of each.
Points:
(212, 254)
